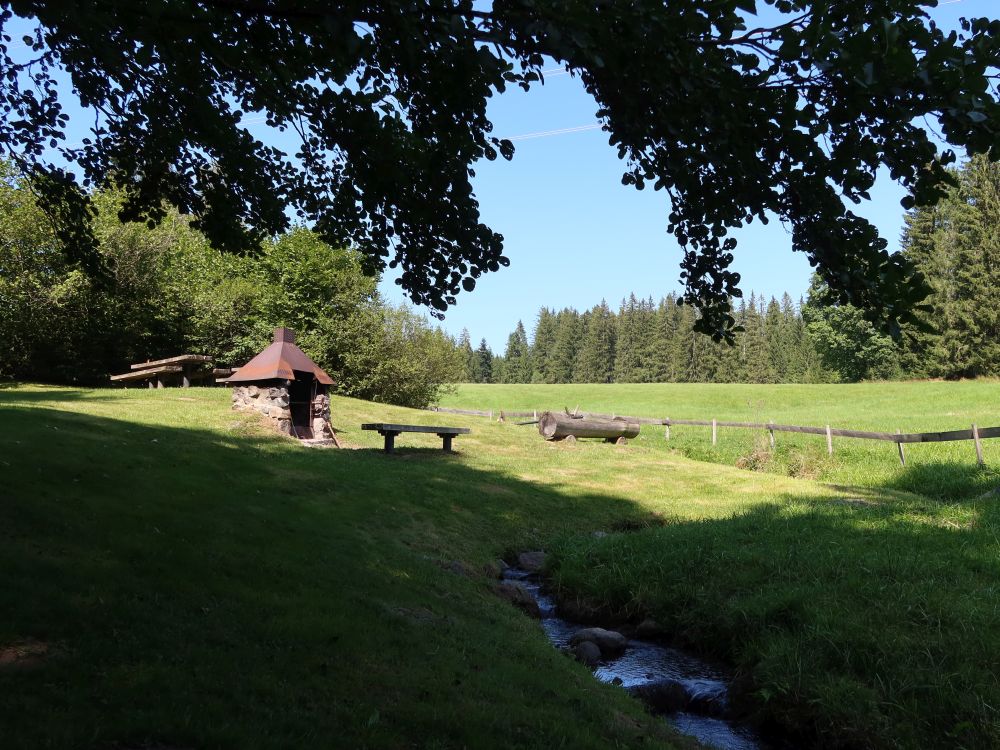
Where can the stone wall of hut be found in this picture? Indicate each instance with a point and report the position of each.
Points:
(271, 401)
(321, 416)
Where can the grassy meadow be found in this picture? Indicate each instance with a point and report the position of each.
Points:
(180, 577)
(942, 470)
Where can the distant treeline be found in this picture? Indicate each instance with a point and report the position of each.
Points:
(955, 244)
(648, 341)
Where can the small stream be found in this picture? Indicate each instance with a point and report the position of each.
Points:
(704, 689)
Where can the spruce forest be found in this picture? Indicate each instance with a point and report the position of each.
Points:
(955, 244)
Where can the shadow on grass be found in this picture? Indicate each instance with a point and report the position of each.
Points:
(947, 481)
(402, 451)
(212, 589)
(15, 393)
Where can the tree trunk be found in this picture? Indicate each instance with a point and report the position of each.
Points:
(555, 426)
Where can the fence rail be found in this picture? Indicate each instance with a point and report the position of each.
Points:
(974, 433)
(466, 412)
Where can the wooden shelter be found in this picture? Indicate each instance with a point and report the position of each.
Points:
(284, 384)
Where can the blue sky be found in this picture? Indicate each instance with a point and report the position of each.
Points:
(574, 234)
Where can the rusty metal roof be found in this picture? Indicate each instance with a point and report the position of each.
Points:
(279, 361)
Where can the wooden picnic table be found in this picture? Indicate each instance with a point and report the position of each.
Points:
(390, 431)
(180, 359)
(154, 370)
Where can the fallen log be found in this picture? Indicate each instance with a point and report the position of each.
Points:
(555, 426)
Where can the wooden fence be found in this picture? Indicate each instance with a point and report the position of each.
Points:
(976, 434)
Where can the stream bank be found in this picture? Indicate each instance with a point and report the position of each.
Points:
(692, 694)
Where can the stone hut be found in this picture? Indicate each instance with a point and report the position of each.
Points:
(283, 384)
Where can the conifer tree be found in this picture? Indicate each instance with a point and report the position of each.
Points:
(596, 362)
(517, 357)
(484, 363)
(956, 245)
(582, 330)
(541, 344)
(678, 351)
(756, 359)
(700, 360)
(791, 362)
(468, 357)
(646, 328)
(662, 335)
(635, 341)
(627, 338)
(564, 347)
(729, 367)
(776, 342)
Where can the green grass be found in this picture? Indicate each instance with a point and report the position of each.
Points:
(203, 583)
(870, 627)
(946, 471)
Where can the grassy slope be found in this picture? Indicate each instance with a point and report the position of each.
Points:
(204, 583)
(207, 584)
(942, 470)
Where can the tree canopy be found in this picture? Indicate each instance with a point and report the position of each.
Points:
(737, 109)
(167, 291)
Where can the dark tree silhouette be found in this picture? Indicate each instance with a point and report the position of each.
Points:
(732, 116)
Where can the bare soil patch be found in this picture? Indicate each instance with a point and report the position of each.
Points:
(23, 655)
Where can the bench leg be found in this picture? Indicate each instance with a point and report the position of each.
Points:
(186, 378)
(390, 439)
(447, 442)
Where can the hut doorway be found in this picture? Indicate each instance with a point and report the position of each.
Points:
(301, 393)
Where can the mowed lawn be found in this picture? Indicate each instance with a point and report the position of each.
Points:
(172, 575)
(946, 471)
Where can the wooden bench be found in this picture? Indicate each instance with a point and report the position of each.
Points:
(389, 432)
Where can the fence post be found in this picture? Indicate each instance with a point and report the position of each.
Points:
(666, 432)
(770, 431)
(899, 444)
(829, 441)
(501, 416)
(979, 446)
(715, 432)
